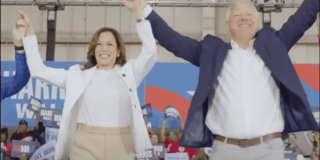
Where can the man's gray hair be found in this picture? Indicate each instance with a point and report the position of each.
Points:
(232, 6)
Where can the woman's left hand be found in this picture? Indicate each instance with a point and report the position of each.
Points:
(19, 31)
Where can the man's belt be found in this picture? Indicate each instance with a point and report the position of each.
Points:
(249, 142)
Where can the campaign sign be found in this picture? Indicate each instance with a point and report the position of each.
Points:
(315, 112)
(45, 151)
(289, 150)
(293, 156)
(176, 156)
(171, 111)
(23, 147)
(34, 104)
(57, 115)
(145, 155)
(146, 110)
(159, 150)
(51, 134)
(46, 114)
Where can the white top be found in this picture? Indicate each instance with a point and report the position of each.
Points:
(75, 81)
(106, 101)
(247, 100)
(246, 103)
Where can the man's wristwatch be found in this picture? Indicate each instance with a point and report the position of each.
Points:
(141, 19)
(19, 48)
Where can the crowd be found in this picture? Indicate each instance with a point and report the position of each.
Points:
(21, 134)
(170, 138)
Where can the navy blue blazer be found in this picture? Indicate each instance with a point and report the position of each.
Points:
(12, 85)
(209, 54)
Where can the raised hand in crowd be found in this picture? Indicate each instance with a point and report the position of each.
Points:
(145, 118)
(181, 122)
(163, 129)
(37, 119)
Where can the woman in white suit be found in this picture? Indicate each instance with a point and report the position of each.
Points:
(102, 118)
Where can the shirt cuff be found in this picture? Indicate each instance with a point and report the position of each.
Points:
(146, 11)
(20, 51)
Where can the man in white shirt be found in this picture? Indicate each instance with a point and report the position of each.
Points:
(248, 95)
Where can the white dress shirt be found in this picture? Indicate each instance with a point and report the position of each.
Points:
(106, 101)
(246, 103)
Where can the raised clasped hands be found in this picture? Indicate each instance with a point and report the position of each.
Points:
(23, 27)
(136, 6)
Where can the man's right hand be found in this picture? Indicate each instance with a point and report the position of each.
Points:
(164, 120)
(29, 31)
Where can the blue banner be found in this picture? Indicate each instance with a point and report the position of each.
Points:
(167, 84)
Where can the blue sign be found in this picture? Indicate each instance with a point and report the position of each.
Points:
(159, 150)
(167, 84)
(146, 110)
(20, 148)
(34, 104)
(46, 114)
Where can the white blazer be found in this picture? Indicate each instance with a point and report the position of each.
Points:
(76, 80)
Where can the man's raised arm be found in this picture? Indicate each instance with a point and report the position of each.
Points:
(182, 46)
(298, 23)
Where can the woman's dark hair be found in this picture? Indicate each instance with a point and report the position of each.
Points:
(91, 59)
(5, 132)
(289, 141)
(156, 135)
(4, 129)
(169, 133)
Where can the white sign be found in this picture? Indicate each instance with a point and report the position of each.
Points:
(45, 151)
(176, 156)
(145, 155)
(51, 134)
(171, 111)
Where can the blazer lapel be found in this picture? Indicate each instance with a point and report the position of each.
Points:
(79, 83)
